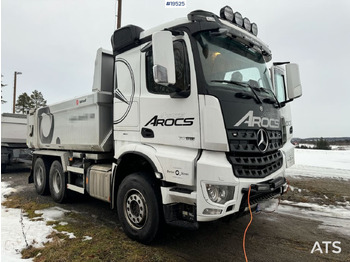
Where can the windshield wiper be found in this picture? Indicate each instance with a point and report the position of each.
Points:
(269, 91)
(250, 84)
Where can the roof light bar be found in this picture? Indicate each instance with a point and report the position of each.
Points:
(235, 17)
(247, 25)
(226, 13)
(238, 19)
(254, 29)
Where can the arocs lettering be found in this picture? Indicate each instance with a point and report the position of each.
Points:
(155, 121)
(258, 121)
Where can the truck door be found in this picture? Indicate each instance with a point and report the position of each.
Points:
(169, 115)
(279, 85)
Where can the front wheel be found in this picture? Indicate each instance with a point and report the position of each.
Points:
(58, 187)
(138, 204)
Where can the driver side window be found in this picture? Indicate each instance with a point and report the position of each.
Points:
(181, 69)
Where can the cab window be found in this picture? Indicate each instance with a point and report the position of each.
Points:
(181, 69)
(279, 87)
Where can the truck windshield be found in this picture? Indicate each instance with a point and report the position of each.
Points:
(231, 64)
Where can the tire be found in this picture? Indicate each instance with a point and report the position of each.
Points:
(40, 176)
(138, 204)
(58, 186)
(3, 168)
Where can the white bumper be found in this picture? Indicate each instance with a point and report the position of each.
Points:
(214, 168)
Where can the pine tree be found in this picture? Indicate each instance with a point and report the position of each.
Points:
(37, 99)
(23, 103)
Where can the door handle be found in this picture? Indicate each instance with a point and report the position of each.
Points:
(147, 133)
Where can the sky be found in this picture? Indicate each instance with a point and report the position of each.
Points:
(54, 43)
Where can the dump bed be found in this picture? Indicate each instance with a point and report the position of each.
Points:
(13, 128)
(81, 124)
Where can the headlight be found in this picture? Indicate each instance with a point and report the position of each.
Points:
(220, 194)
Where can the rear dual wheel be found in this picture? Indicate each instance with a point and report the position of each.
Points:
(40, 175)
(57, 181)
(50, 179)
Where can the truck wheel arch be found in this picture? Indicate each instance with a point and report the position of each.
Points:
(129, 163)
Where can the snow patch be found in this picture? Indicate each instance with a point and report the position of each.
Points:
(52, 213)
(18, 232)
(321, 163)
(86, 238)
(333, 218)
(6, 190)
(69, 234)
(323, 158)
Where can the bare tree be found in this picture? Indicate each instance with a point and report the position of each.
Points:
(2, 85)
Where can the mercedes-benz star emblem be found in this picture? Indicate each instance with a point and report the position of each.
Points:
(262, 140)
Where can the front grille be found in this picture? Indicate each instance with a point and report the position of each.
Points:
(246, 158)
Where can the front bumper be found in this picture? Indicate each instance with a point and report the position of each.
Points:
(214, 168)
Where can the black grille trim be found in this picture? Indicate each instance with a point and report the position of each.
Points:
(247, 160)
(256, 166)
(246, 141)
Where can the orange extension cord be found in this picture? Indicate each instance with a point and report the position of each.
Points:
(251, 219)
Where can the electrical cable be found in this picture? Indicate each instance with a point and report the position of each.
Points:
(288, 186)
(251, 219)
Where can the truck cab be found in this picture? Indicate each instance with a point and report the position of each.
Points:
(187, 120)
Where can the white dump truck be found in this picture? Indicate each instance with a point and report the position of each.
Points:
(182, 120)
(13, 140)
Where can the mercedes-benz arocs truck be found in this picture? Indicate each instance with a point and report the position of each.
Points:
(182, 120)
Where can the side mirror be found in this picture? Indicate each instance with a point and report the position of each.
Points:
(293, 81)
(163, 58)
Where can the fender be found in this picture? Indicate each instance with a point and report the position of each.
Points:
(63, 155)
(147, 152)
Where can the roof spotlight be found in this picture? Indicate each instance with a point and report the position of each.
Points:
(247, 24)
(226, 13)
(254, 29)
(238, 19)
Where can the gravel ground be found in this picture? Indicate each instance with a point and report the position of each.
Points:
(271, 236)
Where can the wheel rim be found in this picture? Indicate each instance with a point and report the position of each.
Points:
(56, 181)
(135, 209)
(39, 176)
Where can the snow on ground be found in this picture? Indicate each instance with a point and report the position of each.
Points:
(325, 164)
(18, 232)
(337, 159)
(333, 218)
(321, 163)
